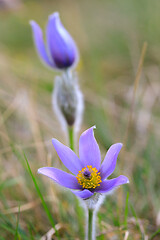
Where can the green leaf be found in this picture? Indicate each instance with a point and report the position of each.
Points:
(41, 197)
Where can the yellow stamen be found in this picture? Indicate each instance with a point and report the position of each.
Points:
(91, 181)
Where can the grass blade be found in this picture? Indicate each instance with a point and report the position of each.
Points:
(137, 222)
(126, 211)
(41, 197)
(16, 237)
(155, 234)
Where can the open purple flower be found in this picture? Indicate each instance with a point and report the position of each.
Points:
(89, 174)
(60, 51)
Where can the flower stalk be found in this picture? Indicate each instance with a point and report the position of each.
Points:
(90, 235)
(71, 137)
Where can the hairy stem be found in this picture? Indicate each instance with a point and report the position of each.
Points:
(90, 232)
(71, 137)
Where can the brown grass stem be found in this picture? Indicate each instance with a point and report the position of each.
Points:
(135, 87)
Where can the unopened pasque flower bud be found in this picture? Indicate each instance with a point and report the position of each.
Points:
(67, 100)
(61, 50)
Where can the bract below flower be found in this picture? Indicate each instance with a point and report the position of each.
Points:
(61, 50)
(89, 175)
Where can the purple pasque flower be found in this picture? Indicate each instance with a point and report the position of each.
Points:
(60, 51)
(89, 175)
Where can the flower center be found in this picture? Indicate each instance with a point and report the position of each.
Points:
(89, 177)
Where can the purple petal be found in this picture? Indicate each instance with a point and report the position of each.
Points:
(109, 185)
(83, 194)
(62, 47)
(68, 157)
(110, 160)
(39, 43)
(64, 179)
(89, 150)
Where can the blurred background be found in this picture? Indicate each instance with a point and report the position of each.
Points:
(110, 36)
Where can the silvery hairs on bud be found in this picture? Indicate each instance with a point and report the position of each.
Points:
(67, 101)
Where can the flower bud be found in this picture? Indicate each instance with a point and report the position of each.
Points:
(67, 101)
(61, 51)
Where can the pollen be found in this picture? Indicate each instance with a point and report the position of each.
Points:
(89, 177)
